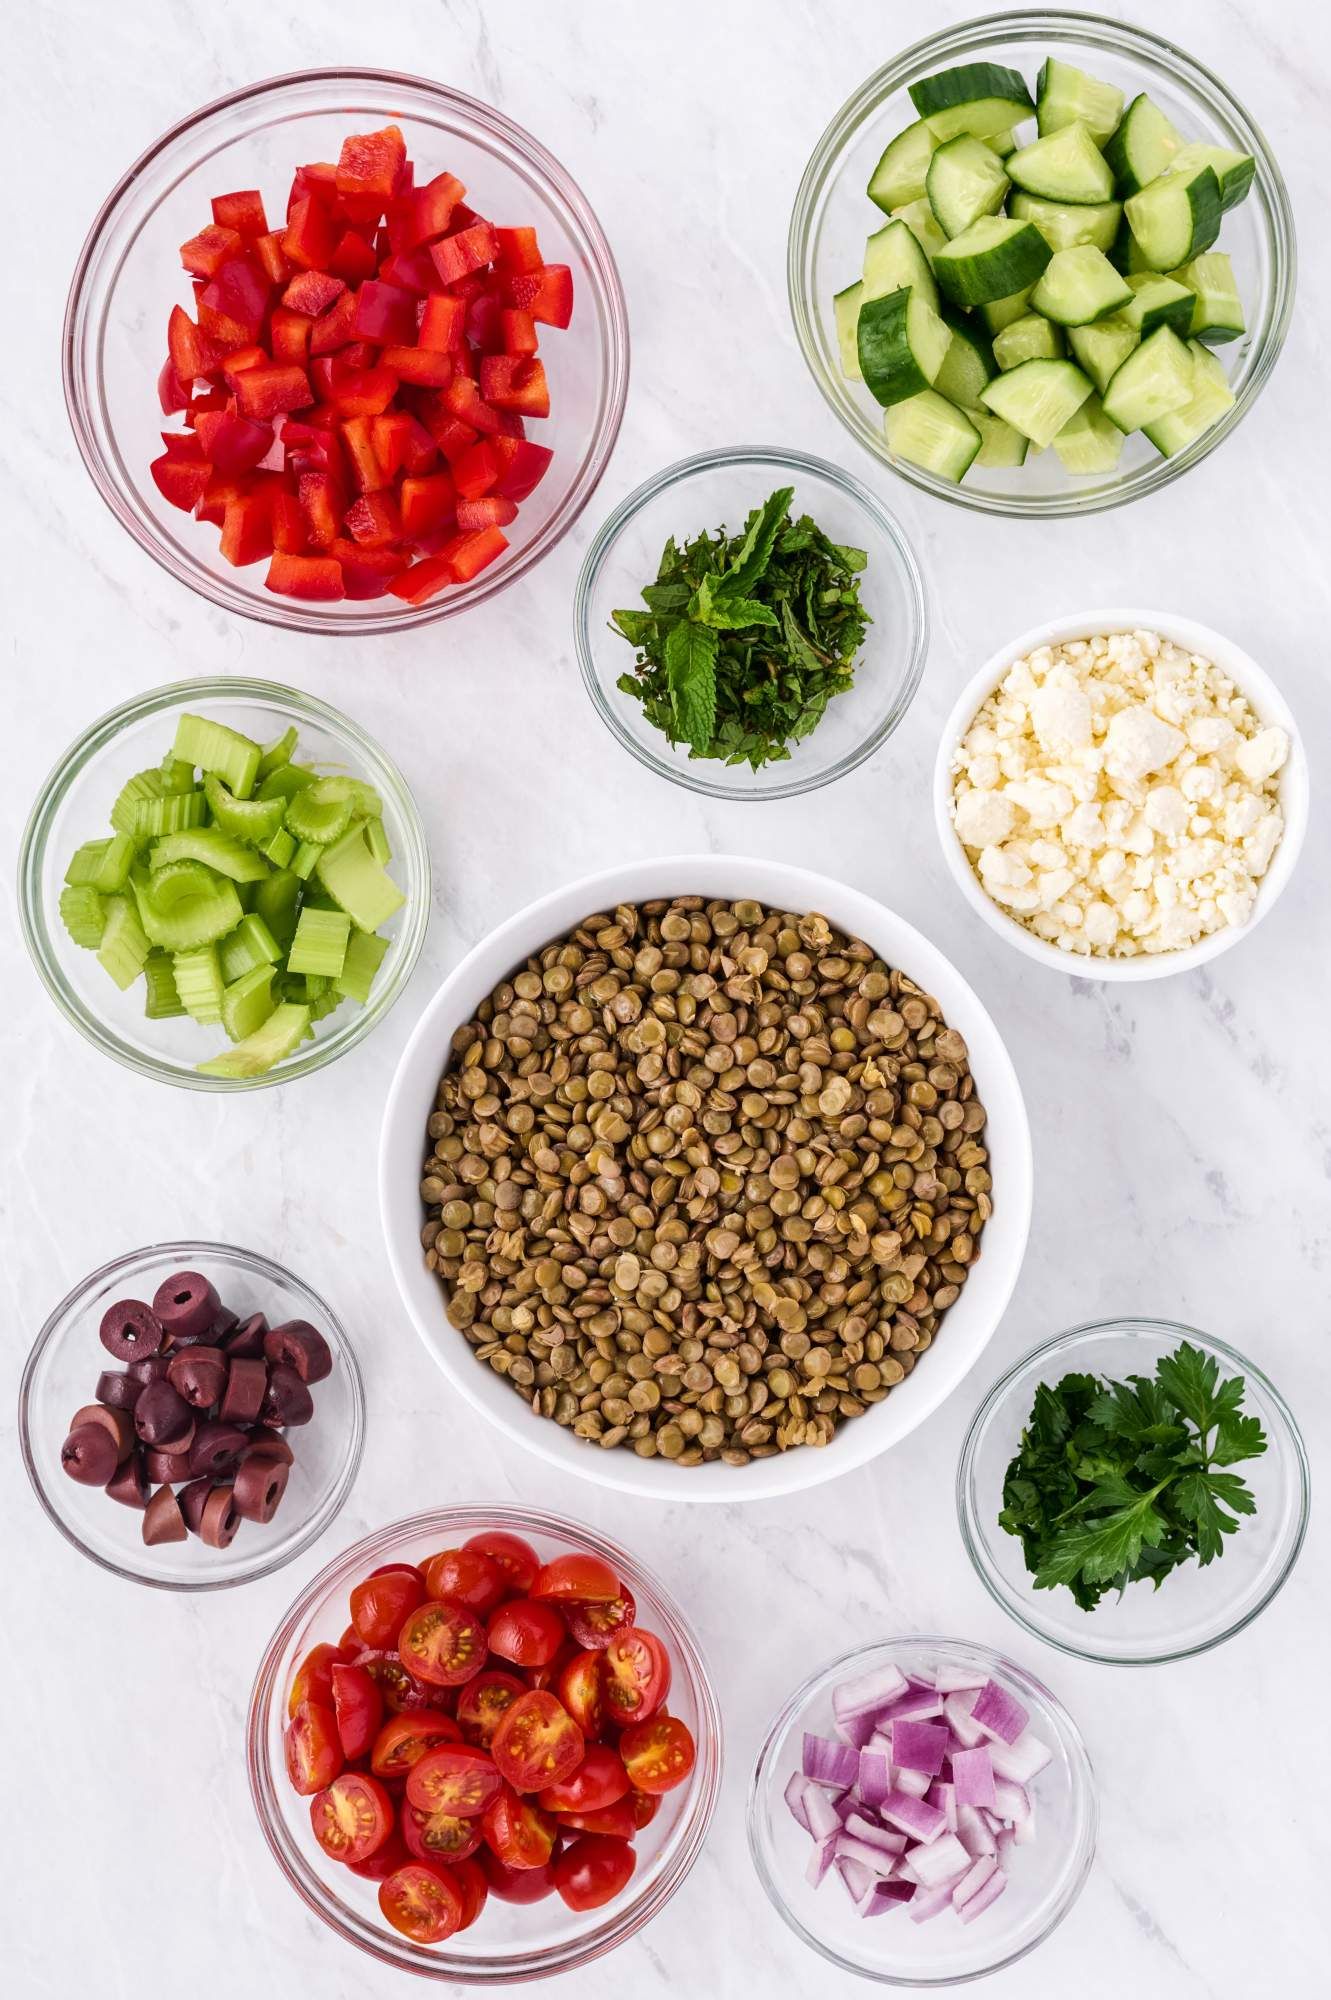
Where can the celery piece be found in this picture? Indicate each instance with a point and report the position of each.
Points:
(377, 841)
(198, 978)
(353, 877)
(320, 943)
(250, 944)
(217, 850)
(177, 775)
(162, 1002)
(247, 1002)
(277, 901)
(173, 886)
(254, 820)
(85, 864)
(365, 953)
(304, 858)
(280, 850)
(173, 813)
(189, 908)
(316, 986)
(365, 801)
(124, 947)
(83, 914)
(213, 747)
(328, 1002)
(286, 781)
(135, 791)
(116, 864)
(269, 1044)
(322, 811)
(280, 751)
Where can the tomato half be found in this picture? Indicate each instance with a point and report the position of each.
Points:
(403, 1694)
(595, 1625)
(314, 1677)
(423, 1901)
(465, 1576)
(438, 1836)
(482, 1702)
(599, 1780)
(518, 1832)
(313, 1750)
(358, 1707)
(593, 1870)
(528, 1633)
(576, 1578)
(581, 1688)
(516, 1885)
(404, 1740)
(637, 1675)
(391, 1853)
(620, 1819)
(659, 1754)
(443, 1644)
(470, 1879)
(455, 1778)
(517, 1559)
(352, 1817)
(548, 1675)
(382, 1601)
(537, 1742)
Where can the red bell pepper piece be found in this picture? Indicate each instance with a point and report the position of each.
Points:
(181, 484)
(423, 580)
(483, 323)
(475, 470)
(233, 304)
(309, 448)
(358, 441)
(374, 520)
(464, 400)
(465, 251)
(312, 577)
(247, 529)
(289, 333)
(367, 572)
(522, 465)
(510, 383)
(317, 180)
(271, 257)
(410, 271)
(335, 328)
(518, 250)
(323, 503)
(442, 324)
(184, 445)
(190, 354)
(172, 391)
(263, 392)
(353, 257)
(492, 510)
(205, 254)
(426, 504)
(547, 294)
(242, 212)
(310, 235)
(451, 435)
(313, 292)
(371, 162)
(221, 490)
(430, 211)
(402, 444)
(364, 392)
(385, 313)
(419, 365)
(288, 524)
(234, 365)
(233, 443)
(468, 555)
(518, 331)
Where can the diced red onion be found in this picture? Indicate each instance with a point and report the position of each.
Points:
(914, 1783)
(828, 1763)
(943, 1861)
(855, 1729)
(926, 1903)
(973, 1831)
(915, 1817)
(820, 1860)
(844, 1806)
(958, 1680)
(875, 1859)
(919, 1746)
(1023, 1833)
(1011, 1802)
(823, 1818)
(957, 1709)
(973, 1776)
(876, 1836)
(794, 1795)
(875, 1777)
(857, 1878)
(868, 1692)
(884, 1896)
(999, 1713)
(916, 1705)
(975, 1878)
(1020, 1761)
(980, 1902)
(945, 1798)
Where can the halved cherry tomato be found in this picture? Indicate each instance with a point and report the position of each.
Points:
(390, 1854)
(547, 1676)
(528, 1633)
(313, 1751)
(637, 1675)
(618, 1819)
(516, 1885)
(314, 1676)
(455, 1778)
(470, 1879)
(396, 1568)
(482, 1702)
(358, 1707)
(592, 1870)
(599, 1780)
(404, 1740)
(423, 1901)
(443, 1644)
(518, 1832)
(659, 1754)
(576, 1578)
(465, 1576)
(537, 1743)
(516, 1558)
(645, 1808)
(403, 1694)
(595, 1625)
(379, 1605)
(352, 1817)
(439, 1836)
(581, 1688)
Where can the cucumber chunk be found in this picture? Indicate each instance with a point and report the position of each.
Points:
(902, 342)
(900, 174)
(268, 1045)
(893, 258)
(1158, 300)
(1157, 377)
(967, 365)
(1001, 143)
(1142, 147)
(1211, 397)
(211, 746)
(981, 98)
(1067, 166)
(1065, 95)
(922, 223)
(1079, 286)
(998, 313)
(1031, 338)
(1038, 398)
(995, 257)
(932, 433)
(1102, 349)
(1000, 444)
(1175, 218)
(965, 181)
(1064, 224)
(1234, 171)
(1088, 442)
(1217, 311)
(845, 314)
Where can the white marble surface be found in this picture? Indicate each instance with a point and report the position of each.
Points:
(1182, 1130)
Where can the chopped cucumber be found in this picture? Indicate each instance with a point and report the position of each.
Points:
(1065, 224)
(995, 257)
(845, 315)
(357, 882)
(1031, 338)
(83, 913)
(967, 365)
(930, 432)
(893, 258)
(211, 746)
(919, 218)
(1088, 442)
(198, 978)
(981, 98)
(320, 943)
(1157, 377)
(270, 1044)
(1158, 300)
(215, 848)
(251, 943)
(965, 181)
(1175, 218)
(247, 1002)
(1234, 171)
(1142, 147)
(998, 313)
(1217, 312)
(1066, 166)
(365, 954)
(1000, 444)
(1065, 95)
(161, 1001)
(1038, 398)
(252, 820)
(1080, 286)
(124, 948)
(1211, 397)
(1103, 348)
(903, 165)
(902, 342)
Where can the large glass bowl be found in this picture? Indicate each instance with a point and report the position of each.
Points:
(720, 488)
(74, 805)
(509, 1942)
(833, 216)
(129, 276)
(1044, 1879)
(60, 1376)
(1195, 1608)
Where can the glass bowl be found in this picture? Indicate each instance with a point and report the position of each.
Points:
(74, 805)
(1044, 1880)
(1196, 1608)
(508, 1943)
(61, 1374)
(719, 487)
(128, 277)
(833, 216)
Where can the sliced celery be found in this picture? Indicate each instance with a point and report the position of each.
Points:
(365, 953)
(277, 901)
(213, 747)
(172, 886)
(304, 858)
(144, 785)
(116, 864)
(328, 1002)
(86, 863)
(217, 849)
(83, 914)
(286, 781)
(177, 775)
(281, 849)
(162, 1002)
(173, 813)
(198, 978)
(247, 1002)
(321, 811)
(365, 801)
(317, 985)
(254, 820)
(251, 944)
(124, 947)
(187, 910)
(353, 877)
(280, 751)
(377, 841)
(269, 1044)
(320, 943)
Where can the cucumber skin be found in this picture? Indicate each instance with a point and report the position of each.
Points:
(1018, 262)
(888, 365)
(1116, 148)
(895, 194)
(952, 90)
(1203, 196)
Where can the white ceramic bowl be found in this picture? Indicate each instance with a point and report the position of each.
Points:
(1267, 702)
(969, 1323)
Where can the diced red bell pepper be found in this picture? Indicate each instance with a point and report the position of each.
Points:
(271, 257)
(522, 465)
(423, 580)
(518, 331)
(317, 180)
(367, 572)
(289, 333)
(335, 328)
(263, 392)
(509, 382)
(184, 445)
(180, 484)
(411, 270)
(364, 392)
(547, 294)
(426, 504)
(464, 400)
(443, 323)
(313, 292)
(235, 365)
(353, 257)
(467, 250)
(221, 490)
(518, 250)
(313, 577)
(247, 529)
(472, 286)
(475, 470)
(358, 441)
(374, 520)
(288, 524)
(402, 444)
(233, 304)
(205, 254)
(419, 365)
(323, 503)
(451, 435)
(233, 443)
(190, 354)
(310, 235)
(242, 211)
(386, 313)
(371, 162)
(492, 510)
(309, 448)
(430, 211)
(468, 555)
(172, 390)
(483, 323)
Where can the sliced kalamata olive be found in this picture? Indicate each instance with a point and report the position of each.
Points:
(299, 1346)
(115, 1422)
(223, 1325)
(186, 1305)
(199, 1375)
(246, 1386)
(220, 1520)
(170, 1468)
(130, 1485)
(152, 1368)
(161, 1416)
(117, 1391)
(163, 1520)
(216, 1449)
(288, 1401)
(192, 1499)
(89, 1455)
(246, 1343)
(269, 1444)
(130, 1330)
(260, 1484)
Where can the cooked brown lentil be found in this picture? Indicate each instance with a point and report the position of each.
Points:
(703, 1178)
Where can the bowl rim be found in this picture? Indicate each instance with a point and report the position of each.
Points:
(1152, 51)
(1067, 1342)
(492, 958)
(57, 787)
(811, 467)
(847, 1663)
(1264, 696)
(293, 614)
(189, 1252)
(704, 1782)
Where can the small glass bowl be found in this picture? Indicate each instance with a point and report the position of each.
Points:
(129, 276)
(1044, 1880)
(509, 1942)
(74, 805)
(61, 1374)
(833, 216)
(1196, 1608)
(718, 488)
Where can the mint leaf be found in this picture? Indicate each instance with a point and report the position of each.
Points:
(1188, 1377)
(690, 659)
(714, 607)
(637, 626)
(750, 562)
